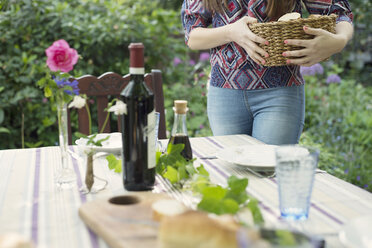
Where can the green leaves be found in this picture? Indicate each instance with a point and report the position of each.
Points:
(174, 166)
(47, 91)
(214, 198)
(237, 189)
(229, 206)
(214, 192)
(92, 141)
(1, 115)
(220, 200)
(92, 138)
(172, 175)
(237, 185)
(199, 183)
(114, 164)
(286, 238)
(4, 130)
(256, 212)
(80, 135)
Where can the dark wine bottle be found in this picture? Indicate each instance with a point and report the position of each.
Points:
(179, 131)
(138, 126)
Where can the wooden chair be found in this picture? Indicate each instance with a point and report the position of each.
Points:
(111, 84)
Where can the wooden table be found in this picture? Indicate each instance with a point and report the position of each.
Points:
(32, 205)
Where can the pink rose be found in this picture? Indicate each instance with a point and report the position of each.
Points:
(61, 57)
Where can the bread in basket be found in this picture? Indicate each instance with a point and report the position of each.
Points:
(289, 28)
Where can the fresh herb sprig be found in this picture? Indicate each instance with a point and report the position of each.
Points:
(173, 166)
(89, 176)
(114, 163)
(214, 198)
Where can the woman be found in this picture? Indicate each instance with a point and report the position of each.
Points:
(245, 97)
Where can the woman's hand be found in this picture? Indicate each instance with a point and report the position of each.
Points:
(321, 47)
(244, 37)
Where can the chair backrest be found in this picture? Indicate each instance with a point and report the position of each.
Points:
(111, 84)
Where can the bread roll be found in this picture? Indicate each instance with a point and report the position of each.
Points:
(314, 16)
(289, 16)
(167, 207)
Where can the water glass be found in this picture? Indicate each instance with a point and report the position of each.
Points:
(295, 171)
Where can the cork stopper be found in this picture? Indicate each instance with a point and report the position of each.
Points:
(136, 55)
(180, 107)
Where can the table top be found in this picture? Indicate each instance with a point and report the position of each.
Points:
(34, 207)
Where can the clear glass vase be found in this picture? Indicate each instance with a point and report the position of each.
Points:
(65, 176)
(93, 183)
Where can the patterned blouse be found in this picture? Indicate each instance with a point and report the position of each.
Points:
(231, 65)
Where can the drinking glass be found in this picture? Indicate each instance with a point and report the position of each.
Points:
(295, 171)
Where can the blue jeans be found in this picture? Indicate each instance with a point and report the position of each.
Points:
(274, 116)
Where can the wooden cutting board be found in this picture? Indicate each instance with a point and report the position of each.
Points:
(123, 221)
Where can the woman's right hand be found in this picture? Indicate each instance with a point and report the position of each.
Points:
(244, 37)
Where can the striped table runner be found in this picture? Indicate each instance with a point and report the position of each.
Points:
(32, 205)
(334, 202)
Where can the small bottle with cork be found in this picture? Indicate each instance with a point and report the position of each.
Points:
(179, 131)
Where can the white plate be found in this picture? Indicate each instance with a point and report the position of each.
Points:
(258, 157)
(357, 233)
(111, 145)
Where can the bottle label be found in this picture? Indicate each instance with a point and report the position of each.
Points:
(151, 119)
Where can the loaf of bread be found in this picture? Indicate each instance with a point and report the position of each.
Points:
(195, 229)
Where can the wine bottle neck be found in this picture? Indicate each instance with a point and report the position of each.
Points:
(136, 71)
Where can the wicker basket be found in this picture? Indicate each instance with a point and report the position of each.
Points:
(277, 32)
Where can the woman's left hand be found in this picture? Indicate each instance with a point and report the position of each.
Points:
(322, 46)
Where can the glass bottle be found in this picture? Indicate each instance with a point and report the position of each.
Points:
(65, 176)
(138, 126)
(179, 131)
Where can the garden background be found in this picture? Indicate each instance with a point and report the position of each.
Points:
(338, 92)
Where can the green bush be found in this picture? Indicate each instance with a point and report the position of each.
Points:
(339, 117)
(99, 30)
(189, 82)
(356, 57)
